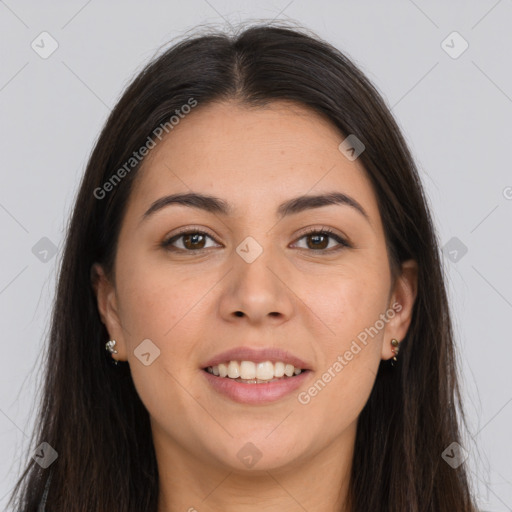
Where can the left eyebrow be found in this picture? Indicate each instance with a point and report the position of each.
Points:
(292, 206)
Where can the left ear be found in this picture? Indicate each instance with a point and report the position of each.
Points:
(402, 302)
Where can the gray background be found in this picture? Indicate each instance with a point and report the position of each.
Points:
(455, 114)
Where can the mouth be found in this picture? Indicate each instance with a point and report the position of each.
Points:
(252, 383)
(249, 372)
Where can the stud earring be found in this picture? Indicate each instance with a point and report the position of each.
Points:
(395, 350)
(110, 347)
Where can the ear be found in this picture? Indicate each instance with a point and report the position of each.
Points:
(107, 306)
(402, 301)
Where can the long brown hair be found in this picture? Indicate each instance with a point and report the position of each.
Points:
(90, 411)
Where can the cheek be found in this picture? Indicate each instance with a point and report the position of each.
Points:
(161, 305)
(348, 302)
(154, 299)
(342, 384)
(351, 306)
(335, 398)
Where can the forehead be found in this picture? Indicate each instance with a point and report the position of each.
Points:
(252, 156)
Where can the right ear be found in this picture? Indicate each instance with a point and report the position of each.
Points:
(107, 307)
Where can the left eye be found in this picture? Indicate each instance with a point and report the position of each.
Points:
(318, 240)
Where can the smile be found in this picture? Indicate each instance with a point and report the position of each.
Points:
(255, 383)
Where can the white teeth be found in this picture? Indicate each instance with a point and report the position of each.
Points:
(233, 370)
(279, 369)
(248, 370)
(265, 370)
(223, 370)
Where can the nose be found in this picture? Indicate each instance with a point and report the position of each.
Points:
(257, 290)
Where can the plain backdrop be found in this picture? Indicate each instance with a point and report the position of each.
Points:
(454, 105)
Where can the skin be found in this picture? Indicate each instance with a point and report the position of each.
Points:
(293, 296)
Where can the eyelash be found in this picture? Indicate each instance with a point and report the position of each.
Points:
(166, 244)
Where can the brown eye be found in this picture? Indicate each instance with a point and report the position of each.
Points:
(190, 241)
(318, 240)
(194, 241)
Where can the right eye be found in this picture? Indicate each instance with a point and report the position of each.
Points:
(192, 241)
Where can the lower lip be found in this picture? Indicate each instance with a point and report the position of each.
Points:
(256, 393)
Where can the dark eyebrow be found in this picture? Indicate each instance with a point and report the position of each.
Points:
(292, 206)
(302, 203)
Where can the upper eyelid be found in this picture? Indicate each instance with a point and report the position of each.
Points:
(303, 231)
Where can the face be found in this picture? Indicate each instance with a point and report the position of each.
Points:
(256, 277)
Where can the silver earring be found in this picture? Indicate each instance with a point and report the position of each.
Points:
(110, 347)
(395, 350)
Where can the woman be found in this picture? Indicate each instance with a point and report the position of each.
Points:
(251, 312)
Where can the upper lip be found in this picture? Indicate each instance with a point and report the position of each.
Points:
(257, 355)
